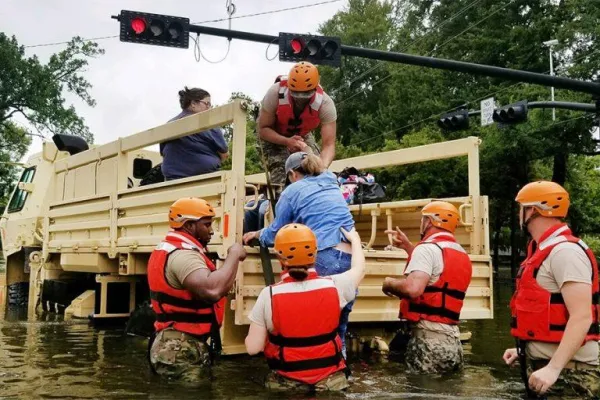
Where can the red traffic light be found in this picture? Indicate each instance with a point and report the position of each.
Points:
(297, 45)
(138, 25)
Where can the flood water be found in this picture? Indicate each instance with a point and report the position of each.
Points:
(50, 358)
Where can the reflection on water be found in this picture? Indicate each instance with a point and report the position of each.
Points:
(50, 358)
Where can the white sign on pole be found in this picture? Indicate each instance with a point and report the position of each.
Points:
(487, 111)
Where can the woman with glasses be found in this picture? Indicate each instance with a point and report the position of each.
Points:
(198, 153)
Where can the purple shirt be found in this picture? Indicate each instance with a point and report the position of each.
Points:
(192, 155)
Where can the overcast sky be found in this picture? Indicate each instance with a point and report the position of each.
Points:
(136, 85)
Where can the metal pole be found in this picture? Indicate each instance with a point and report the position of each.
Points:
(429, 62)
(552, 88)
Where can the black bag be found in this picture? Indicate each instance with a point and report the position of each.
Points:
(366, 192)
(369, 193)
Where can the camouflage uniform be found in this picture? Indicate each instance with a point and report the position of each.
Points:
(276, 156)
(177, 355)
(334, 382)
(431, 352)
(577, 380)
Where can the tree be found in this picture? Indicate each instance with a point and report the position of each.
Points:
(35, 91)
(383, 105)
(14, 142)
(253, 161)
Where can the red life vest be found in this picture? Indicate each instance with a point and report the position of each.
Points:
(287, 124)
(304, 344)
(177, 308)
(442, 301)
(537, 314)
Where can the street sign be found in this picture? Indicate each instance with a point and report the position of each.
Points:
(487, 111)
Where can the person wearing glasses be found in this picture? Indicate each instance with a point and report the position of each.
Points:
(198, 153)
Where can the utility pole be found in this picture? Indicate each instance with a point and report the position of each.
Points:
(550, 44)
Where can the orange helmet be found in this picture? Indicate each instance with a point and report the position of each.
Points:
(189, 209)
(303, 77)
(547, 198)
(443, 215)
(296, 246)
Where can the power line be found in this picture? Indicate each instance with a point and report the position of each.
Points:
(432, 51)
(380, 63)
(201, 22)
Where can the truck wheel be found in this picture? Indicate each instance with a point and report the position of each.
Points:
(17, 294)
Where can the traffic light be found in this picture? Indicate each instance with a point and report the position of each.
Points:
(511, 114)
(155, 29)
(454, 121)
(324, 50)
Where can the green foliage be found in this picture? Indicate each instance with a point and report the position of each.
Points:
(13, 146)
(594, 242)
(35, 92)
(253, 163)
(382, 105)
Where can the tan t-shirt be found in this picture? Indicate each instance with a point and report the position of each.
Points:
(428, 258)
(327, 112)
(567, 262)
(262, 315)
(180, 264)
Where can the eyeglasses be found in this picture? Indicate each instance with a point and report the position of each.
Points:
(206, 103)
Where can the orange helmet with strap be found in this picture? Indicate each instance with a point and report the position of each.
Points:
(442, 214)
(296, 246)
(548, 198)
(189, 209)
(303, 77)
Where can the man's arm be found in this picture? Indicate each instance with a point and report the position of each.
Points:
(223, 156)
(410, 287)
(578, 300)
(212, 286)
(266, 122)
(256, 339)
(328, 132)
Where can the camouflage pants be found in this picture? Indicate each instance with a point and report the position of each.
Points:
(573, 382)
(180, 356)
(276, 156)
(433, 353)
(334, 382)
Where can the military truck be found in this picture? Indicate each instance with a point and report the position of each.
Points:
(79, 229)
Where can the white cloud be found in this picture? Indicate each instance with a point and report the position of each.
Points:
(136, 85)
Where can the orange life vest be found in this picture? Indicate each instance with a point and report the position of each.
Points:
(287, 124)
(178, 308)
(304, 344)
(442, 301)
(537, 314)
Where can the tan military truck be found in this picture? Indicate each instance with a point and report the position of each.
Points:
(80, 230)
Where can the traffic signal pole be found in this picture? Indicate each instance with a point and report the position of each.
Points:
(428, 62)
(563, 105)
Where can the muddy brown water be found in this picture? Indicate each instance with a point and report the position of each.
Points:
(49, 358)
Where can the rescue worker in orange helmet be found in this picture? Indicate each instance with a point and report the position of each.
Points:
(295, 321)
(556, 303)
(437, 275)
(188, 293)
(292, 108)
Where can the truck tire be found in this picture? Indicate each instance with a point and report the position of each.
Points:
(17, 294)
(155, 175)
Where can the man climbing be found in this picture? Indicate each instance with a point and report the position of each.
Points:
(437, 275)
(188, 293)
(557, 300)
(292, 108)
